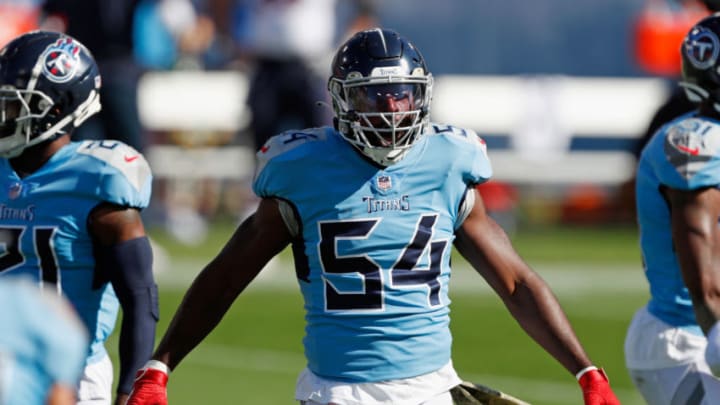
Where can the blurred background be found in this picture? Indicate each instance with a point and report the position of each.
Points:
(562, 91)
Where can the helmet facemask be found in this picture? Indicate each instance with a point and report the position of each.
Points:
(383, 115)
(17, 118)
(23, 113)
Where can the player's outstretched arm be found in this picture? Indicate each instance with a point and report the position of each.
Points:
(123, 257)
(257, 240)
(697, 242)
(529, 299)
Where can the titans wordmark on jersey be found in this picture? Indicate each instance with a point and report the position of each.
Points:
(43, 223)
(373, 248)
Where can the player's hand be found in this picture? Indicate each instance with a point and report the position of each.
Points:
(150, 386)
(596, 388)
(712, 351)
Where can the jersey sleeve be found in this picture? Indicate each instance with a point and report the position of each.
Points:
(469, 152)
(690, 154)
(280, 158)
(125, 175)
(481, 169)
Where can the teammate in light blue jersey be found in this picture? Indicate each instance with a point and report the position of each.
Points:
(70, 211)
(372, 208)
(672, 347)
(43, 346)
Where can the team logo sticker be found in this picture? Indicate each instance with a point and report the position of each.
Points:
(702, 48)
(60, 60)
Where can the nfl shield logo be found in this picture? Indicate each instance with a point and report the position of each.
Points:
(14, 191)
(384, 183)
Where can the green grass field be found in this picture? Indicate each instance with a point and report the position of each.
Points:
(255, 354)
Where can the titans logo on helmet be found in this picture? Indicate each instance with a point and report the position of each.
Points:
(702, 48)
(60, 60)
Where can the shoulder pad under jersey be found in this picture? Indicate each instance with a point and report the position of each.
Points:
(288, 141)
(460, 134)
(467, 148)
(692, 148)
(128, 167)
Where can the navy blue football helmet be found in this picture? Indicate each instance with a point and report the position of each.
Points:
(700, 53)
(381, 91)
(49, 84)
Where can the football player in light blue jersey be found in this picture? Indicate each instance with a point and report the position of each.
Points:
(672, 347)
(43, 346)
(372, 208)
(70, 211)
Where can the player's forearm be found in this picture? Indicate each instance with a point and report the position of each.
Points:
(121, 399)
(202, 308)
(538, 312)
(212, 293)
(705, 296)
(137, 338)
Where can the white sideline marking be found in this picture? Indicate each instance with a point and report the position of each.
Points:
(567, 279)
(290, 364)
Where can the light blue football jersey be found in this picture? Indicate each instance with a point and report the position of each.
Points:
(41, 343)
(684, 155)
(43, 218)
(373, 255)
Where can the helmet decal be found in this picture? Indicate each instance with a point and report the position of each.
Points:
(702, 48)
(54, 80)
(60, 60)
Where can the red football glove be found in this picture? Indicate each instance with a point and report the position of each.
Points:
(596, 388)
(150, 385)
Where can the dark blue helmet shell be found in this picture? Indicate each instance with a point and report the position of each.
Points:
(700, 52)
(58, 81)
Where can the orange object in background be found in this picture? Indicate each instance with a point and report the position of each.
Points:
(498, 196)
(17, 19)
(658, 33)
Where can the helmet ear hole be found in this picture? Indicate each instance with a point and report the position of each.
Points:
(55, 111)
